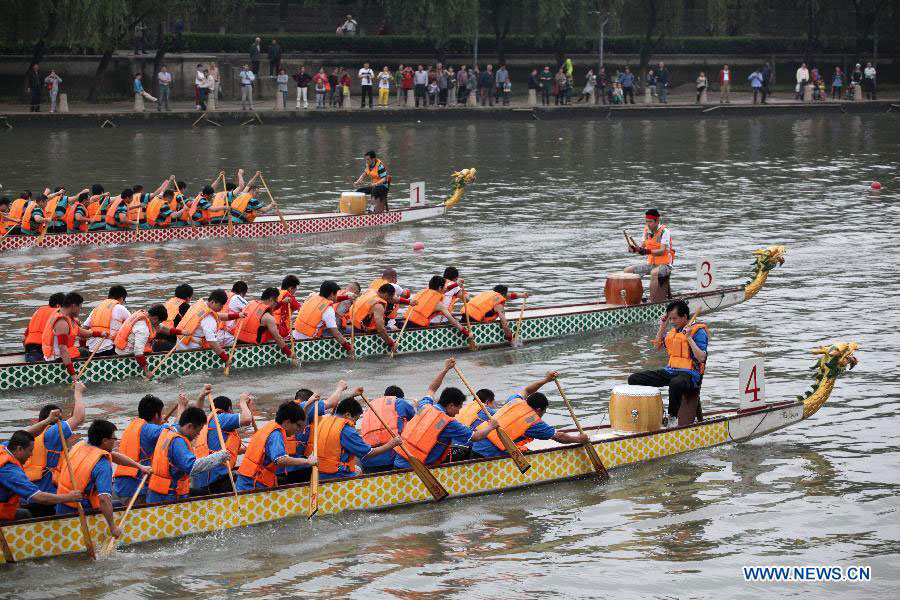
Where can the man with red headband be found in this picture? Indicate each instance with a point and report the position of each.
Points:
(656, 245)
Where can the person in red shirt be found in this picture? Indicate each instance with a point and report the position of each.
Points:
(725, 85)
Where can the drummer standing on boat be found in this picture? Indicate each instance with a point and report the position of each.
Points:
(656, 245)
(379, 181)
(686, 346)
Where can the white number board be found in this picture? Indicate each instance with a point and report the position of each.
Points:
(752, 385)
(706, 275)
(417, 194)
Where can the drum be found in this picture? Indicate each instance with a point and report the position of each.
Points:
(635, 408)
(353, 203)
(623, 288)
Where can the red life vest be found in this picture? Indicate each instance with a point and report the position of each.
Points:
(420, 435)
(361, 311)
(69, 218)
(309, 317)
(654, 242)
(47, 336)
(249, 333)
(36, 325)
(130, 446)
(424, 310)
(373, 432)
(111, 209)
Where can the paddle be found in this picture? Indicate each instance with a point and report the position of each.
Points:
(85, 365)
(222, 446)
(163, 361)
(40, 239)
(137, 220)
(428, 479)
(588, 447)
(7, 551)
(275, 204)
(521, 462)
(629, 241)
(85, 532)
(230, 220)
(471, 339)
(313, 507)
(402, 329)
(352, 333)
(290, 330)
(516, 341)
(237, 331)
(111, 544)
(171, 412)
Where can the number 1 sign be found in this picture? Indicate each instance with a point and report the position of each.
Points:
(417, 194)
(752, 386)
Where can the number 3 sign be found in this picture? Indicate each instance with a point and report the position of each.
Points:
(752, 386)
(706, 275)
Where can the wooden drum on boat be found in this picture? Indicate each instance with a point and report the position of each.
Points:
(623, 288)
(353, 203)
(635, 408)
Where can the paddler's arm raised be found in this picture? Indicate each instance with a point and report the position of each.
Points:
(162, 187)
(535, 386)
(62, 333)
(244, 401)
(38, 428)
(659, 340)
(202, 396)
(438, 380)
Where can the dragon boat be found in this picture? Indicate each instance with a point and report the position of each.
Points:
(537, 324)
(59, 535)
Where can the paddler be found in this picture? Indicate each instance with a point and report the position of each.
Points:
(287, 304)
(236, 302)
(396, 411)
(61, 332)
(140, 201)
(138, 442)
(370, 310)
(174, 461)
(298, 445)
(176, 307)
(35, 329)
(453, 291)
(92, 467)
(194, 210)
(342, 308)
(137, 333)
(687, 356)
(247, 205)
(33, 218)
(259, 325)
(400, 293)
(489, 306)
(216, 481)
(5, 221)
(378, 179)
(199, 326)
(107, 318)
(430, 435)
(116, 212)
(76, 219)
(162, 211)
(430, 307)
(15, 486)
(317, 315)
(521, 418)
(95, 208)
(266, 452)
(472, 416)
(56, 209)
(16, 210)
(42, 467)
(656, 245)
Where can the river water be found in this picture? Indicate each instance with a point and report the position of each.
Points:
(545, 215)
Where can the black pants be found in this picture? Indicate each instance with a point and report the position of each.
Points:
(545, 97)
(378, 469)
(366, 92)
(273, 66)
(219, 486)
(107, 352)
(34, 353)
(420, 93)
(163, 344)
(40, 510)
(298, 476)
(627, 91)
(678, 384)
(36, 101)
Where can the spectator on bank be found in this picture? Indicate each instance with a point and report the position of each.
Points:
(320, 80)
(546, 80)
(35, 85)
(206, 88)
(534, 83)
(334, 91)
(432, 93)
(755, 79)
(507, 92)
(627, 82)
(502, 77)
(281, 80)
(602, 86)
(559, 86)
(650, 82)
(407, 84)
(617, 95)
(725, 85)
(662, 84)
(702, 84)
(302, 79)
(139, 30)
(384, 87)
(590, 84)
(452, 86)
(214, 75)
(344, 83)
(198, 82)
(255, 53)
(138, 87)
(398, 83)
(837, 83)
(802, 79)
(247, 77)
(349, 27)
(53, 80)
(442, 79)
(814, 74)
(486, 83)
(856, 81)
(366, 78)
(462, 84)
(164, 78)
(274, 53)
(766, 82)
(471, 83)
(420, 80)
(869, 81)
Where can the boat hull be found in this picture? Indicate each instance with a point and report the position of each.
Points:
(537, 324)
(263, 226)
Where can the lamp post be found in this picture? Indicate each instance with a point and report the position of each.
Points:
(604, 19)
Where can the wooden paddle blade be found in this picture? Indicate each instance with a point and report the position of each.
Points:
(428, 479)
(599, 468)
(313, 507)
(7, 551)
(521, 462)
(471, 343)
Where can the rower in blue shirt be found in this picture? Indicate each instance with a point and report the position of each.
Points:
(393, 408)
(216, 480)
(15, 486)
(341, 445)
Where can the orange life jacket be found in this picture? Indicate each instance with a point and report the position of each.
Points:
(372, 172)
(515, 418)
(468, 414)
(153, 208)
(83, 457)
(111, 210)
(232, 441)
(255, 456)
(239, 205)
(69, 218)
(190, 322)
(680, 356)
(187, 215)
(283, 312)
(161, 479)
(17, 208)
(9, 507)
(483, 306)
(423, 311)
(392, 309)
(47, 335)
(26, 216)
(172, 307)
(134, 207)
(217, 208)
(35, 328)
(36, 465)
(92, 210)
(130, 446)
(309, 317)
(121, 338)
(291, 443)
(330, 448)
(653, 242)
(249, 333)
(50, 208)
(361, 310)
(420, 435)
(373, 432)
(101, 316)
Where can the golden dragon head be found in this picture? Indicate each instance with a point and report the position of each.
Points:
(834, 361)
(460, 179)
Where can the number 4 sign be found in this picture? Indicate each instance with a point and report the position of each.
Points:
(706, 275)
(417, 194)
(752, 384)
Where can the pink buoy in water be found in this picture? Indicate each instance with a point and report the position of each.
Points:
(419, 246)
(876, 185)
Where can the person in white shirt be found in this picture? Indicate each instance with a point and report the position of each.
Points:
(869, 81)
(247, 78)
(205, 334)
(139, 335)
(802, 80)
(328, 321)
(420, 81)
(235, 305)
(384, 87)
(198, 82)
(349, 27)
(366, 75)
(165, 86)
(118, 314)
(656, 245)
(342, 307)
(452, 289)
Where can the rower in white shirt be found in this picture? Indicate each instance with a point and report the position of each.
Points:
(107, 318)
